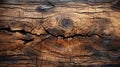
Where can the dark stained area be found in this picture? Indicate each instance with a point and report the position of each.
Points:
(116, 5)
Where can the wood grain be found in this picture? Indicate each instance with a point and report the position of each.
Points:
(65, 34)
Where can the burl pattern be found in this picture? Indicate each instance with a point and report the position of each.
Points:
(60, 34)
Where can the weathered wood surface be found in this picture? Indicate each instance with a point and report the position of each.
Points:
(66, 34)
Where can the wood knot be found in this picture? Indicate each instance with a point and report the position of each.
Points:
(66, 23)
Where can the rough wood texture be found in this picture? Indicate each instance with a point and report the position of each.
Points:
(60, 34)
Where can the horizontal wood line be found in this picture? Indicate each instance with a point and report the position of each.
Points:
(20, 17)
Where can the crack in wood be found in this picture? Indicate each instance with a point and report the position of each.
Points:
(53, 47)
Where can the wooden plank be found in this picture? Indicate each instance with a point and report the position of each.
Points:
(61, 34)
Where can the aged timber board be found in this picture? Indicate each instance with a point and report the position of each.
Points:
(59, 33)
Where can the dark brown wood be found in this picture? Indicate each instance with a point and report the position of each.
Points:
(60, 34)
